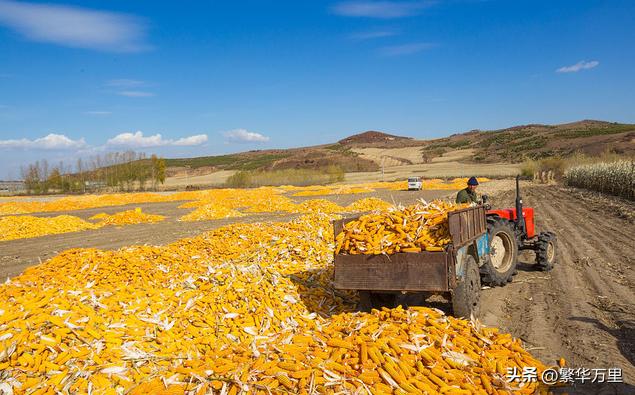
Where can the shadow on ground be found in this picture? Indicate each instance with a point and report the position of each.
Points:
(316, 290)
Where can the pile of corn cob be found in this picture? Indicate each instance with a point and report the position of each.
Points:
(368, 204)
(211, 211)
(246, 308)
(416, 228)
(433, 183)
(339, 190)
(27, 226)
(319, 205)
(70, 203)
(274, 203)
(128, 217)
(234, 198)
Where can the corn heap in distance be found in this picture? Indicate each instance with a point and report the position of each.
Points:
(420, 227)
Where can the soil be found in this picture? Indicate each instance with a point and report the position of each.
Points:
(583, 310)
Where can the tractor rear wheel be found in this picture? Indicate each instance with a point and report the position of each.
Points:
(499, 268)
(467, 294)
(546, 251)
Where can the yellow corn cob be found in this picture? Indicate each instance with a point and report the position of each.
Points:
(410, 230)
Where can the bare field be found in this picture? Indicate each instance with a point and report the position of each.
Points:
(445, 166)
(391, 156)
(436, 170)
(583, 310)
(214, 178)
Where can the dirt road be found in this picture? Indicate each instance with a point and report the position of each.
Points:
(583, 310)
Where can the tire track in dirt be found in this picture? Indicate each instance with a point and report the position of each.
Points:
(578, 310)
(592, 238)
(616, 243)
(593, 284)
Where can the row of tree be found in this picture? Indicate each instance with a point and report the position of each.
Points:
(114, 171)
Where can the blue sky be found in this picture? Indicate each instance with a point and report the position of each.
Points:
(85, 77)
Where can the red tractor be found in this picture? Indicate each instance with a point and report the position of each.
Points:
(508, 234)
(484, 249)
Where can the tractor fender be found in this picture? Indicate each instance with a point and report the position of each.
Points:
(481, 246)
(477, 249)
(459, 264)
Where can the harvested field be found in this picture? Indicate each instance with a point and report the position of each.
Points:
(246, 308)
(583, 310)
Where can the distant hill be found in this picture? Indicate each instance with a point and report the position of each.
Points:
(367, 151)
(536, 141)
(317, 157)
(372, 137)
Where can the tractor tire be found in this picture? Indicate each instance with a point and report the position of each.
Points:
(500, 266)
(467, 294)
(546, 251)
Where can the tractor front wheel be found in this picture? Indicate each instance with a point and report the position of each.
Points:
(546, 251)
(499, 268)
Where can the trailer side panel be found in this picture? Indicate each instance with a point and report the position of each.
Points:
(425, 271)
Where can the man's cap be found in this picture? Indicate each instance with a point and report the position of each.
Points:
(472, 181)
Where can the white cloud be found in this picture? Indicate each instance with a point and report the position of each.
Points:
(405, 49)
(581, 65)
(191, 140)
(372, 34)
(50, 142)
(74, 26)
(135, 93)
(380, 9)
(129, 87)
(125, 83)
(100, 113)
(138, 140)
(244, 136)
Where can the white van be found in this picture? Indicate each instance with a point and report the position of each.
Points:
(414, 183)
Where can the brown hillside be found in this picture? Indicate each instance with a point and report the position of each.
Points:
(536, 141)
(372, 137)
(367, 151)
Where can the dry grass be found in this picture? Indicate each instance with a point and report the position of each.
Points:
(559, 165)
(615, 178)
(299, 177)
(215, 178)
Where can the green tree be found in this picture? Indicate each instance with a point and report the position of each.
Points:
(54, 179)
(158, 170)
(31, 176)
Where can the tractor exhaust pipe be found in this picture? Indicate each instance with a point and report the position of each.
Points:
(520, 219)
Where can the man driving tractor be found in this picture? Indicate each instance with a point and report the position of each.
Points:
(468, 195)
